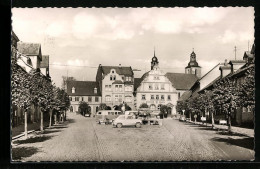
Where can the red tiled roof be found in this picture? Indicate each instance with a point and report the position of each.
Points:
(182, 81)
(83, 88)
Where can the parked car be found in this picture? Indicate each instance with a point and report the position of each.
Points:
(87, 114)
(128, 120)
(224, 122)
(106, 116)
(182, 118)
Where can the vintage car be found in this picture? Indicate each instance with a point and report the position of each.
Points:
(127, 120)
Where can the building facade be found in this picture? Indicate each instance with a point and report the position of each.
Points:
(116, 84)
(87, 91)
(193, 66)
(155, 88)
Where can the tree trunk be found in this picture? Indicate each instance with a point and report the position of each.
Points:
(65, 117)
(41, 120)
(50, 118)
(62, 117)
(55, 118)
(212, 119)
(190, 116)
(25, 125)
(229, 123)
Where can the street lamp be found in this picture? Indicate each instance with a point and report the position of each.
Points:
(123, 109)
(183, 112)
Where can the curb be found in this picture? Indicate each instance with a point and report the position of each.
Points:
(198, 123)
(28, 132)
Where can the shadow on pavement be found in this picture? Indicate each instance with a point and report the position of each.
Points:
(19, 152)
(33, 140)
(50, 131)
(244, 142)
(59, 127)
(226, 133)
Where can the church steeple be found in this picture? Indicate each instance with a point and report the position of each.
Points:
(193, 66)
(154, 61)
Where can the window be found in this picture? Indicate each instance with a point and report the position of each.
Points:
(114, 77)
(73, 90)
(126, 78)
(106, 87)
(162, 97)
(150, 86)
(179, 95)
(110, 89)
(82, 98)
(116, 88)
(130, 79)
(70, 98)
(89, 99)
(108, 113)
(128, 88)
(111, 77)
(156, 78)
(116, 98)
(169, 97)
(128, 99)
(162, 86)
(157, 97)
(73, 99)
(99, 112)
(108, 98)
(76, 98)
(152, 97)
(96, 99)
(113, 71)
(156, 87)
(143, 97)
(120, 98)
(120, 88)
(112, 113)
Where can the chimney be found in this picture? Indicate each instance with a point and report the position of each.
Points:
(95, 90)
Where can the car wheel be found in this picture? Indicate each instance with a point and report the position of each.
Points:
(119, 125)
(138, 125)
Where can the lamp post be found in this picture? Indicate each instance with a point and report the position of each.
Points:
(123, 109)
(183, 112)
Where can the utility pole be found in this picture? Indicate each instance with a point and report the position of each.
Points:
(235, 53)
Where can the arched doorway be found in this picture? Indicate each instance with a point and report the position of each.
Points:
(152, 107)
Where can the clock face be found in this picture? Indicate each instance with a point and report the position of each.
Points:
(154, 59)
(191, 64)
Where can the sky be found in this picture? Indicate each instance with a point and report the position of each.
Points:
(79, 39)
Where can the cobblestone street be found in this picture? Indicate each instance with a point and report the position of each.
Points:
(82, 139)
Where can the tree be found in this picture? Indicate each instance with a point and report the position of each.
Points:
(102, 106)
(22, 94)
(83, 106)
(119, 107)
(144, 105)
(65, 80)
(163, 110)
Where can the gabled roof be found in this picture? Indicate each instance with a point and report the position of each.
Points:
(118, 82)
(237, 61)
(181, 81)
(14, 36)
(30, 49)
(137, 82)
(83, 88)
(45, 61)
(127, 71)
(185, 95)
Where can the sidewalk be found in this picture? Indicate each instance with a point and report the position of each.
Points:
(16, 131)
(239, 130)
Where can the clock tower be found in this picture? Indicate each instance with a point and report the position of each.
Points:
(193, 66)
(154, 62)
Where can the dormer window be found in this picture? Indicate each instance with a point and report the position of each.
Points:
(95, 90)
(73, 90)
